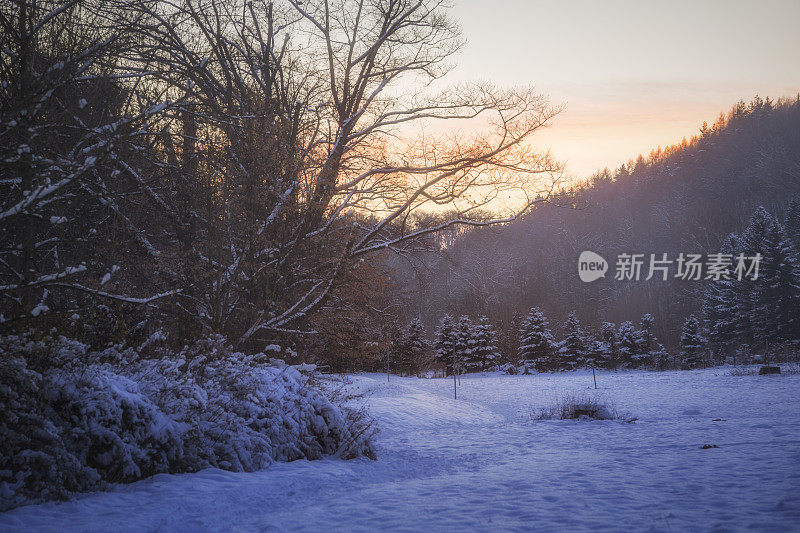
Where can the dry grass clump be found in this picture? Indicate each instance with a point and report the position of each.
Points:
(578, 407)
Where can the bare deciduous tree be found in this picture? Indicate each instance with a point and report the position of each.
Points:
(363, 158)
(65, 120)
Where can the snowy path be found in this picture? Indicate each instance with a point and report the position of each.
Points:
(479, 463)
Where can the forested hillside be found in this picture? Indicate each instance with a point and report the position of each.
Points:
(685, 198)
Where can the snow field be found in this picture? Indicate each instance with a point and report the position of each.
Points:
(481, 463)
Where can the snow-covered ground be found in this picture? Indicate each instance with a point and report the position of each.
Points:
(481, 463)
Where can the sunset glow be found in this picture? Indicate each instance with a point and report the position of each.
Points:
(633, 75)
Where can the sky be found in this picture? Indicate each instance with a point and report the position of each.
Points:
(633, 75)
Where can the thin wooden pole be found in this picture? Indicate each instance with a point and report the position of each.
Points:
(594, 377)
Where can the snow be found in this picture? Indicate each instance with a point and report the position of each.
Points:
(481, 463)
(107, 275)
(39, 309)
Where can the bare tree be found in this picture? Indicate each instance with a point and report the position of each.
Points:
(363, 158)
(66, 116)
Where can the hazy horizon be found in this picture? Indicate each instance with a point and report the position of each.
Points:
(632, 75)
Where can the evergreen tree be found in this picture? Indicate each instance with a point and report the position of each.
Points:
(415, 347)
(776, 301)
(754, 312)
(484, 355)
(598, 353)
(660, 359)
(793, 222)
(608, 336)
(464, 344)
(751, 242)
(446, 343)
(721, 303)
(572, 350)
(646, 343)
(645, 338)
(691, 343)
(536, 347)
(753, 238)
(627, 344)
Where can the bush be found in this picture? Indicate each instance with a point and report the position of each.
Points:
(571, 407)
(75, 421)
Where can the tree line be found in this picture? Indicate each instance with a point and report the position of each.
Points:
(738, 315)
(466, 345)
(685, 198)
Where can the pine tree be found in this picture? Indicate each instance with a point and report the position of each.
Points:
(751, 242)
(793, 222)
(660, 359)
(536, 347)
(753, 237)
(598, 353)
(776, 301)
(446, 343)
(646, 339)
(721, 303)
(415, 347)
(464, 344)
(627, 344)
(572, 349)
(484, 355)
(646, 343)
(691, 343)
(608, 335)
(755, 312)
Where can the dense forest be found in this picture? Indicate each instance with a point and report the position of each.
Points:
(686, 198)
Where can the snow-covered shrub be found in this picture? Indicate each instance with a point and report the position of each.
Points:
(74, 420)
(571, 407)
(69, 427)
(256, 414)
(110, 426)
(34, 460)
(243, 412)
